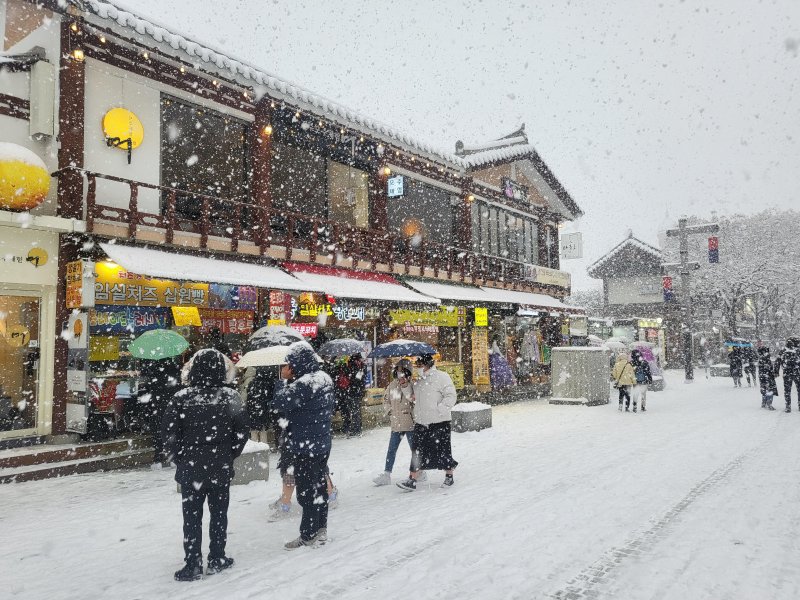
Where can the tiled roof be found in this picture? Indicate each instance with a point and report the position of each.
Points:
(629, 241)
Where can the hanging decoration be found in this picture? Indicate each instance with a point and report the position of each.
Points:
(24, 179)
(123, 130)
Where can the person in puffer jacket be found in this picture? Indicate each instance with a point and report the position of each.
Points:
(398, 402)
(307, 403)
(204, 429)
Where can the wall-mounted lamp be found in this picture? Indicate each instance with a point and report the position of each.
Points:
(267, 130)
(387, 171)
(78, 54)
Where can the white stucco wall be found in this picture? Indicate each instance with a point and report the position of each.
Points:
(635, 290)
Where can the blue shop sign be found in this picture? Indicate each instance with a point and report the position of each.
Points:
(127, 319)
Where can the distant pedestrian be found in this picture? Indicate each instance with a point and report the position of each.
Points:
(159, 380)
(624, 377)
(789, 362)
(307, 403)
(749, 364)
(398, 402)
(435, 397)
(766, 378)
(205, 429)
(644, 378)
(350, 385)
(735, 362)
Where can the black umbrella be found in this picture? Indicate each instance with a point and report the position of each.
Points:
(343, 347)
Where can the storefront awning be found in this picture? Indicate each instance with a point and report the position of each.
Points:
(185, 267)
(346, 283)
(530, 301)
(450, 291)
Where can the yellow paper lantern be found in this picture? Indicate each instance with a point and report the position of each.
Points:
(122, 124)
(24, 180)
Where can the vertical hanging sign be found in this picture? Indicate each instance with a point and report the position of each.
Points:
(713, 249)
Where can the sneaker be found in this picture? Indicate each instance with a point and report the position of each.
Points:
(788, 410)
(317, 540)
(384, 478)
(448, 481)
(276, 504)
(627, 409)
(643, 409)
(284, 511)
(409, 485)
(190, 572)
(770, 407)
(333, 499)
(215, 565)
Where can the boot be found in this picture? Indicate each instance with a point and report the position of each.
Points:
(192, 571)
(215, 565)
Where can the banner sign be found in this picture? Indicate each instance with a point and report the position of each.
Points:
(444, 316)
(420, 329)
(480, 357)
(127, 319)
(456, 372)
(184, 316)
(713, 249)
(235, 297)
(227, 321)
(547, 276)
(114, 285)
(80, 284)
(666, 286)
(481, 317)
(103, 347)
(277, 308)
(306, 329)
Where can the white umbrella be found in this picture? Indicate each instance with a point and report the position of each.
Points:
(614, 345)
(265, 357)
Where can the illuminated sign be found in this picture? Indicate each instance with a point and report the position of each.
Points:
(395, 186)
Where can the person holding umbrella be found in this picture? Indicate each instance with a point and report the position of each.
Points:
(435, 397)
(398, 401)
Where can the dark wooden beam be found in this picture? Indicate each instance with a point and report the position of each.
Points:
(71, 117)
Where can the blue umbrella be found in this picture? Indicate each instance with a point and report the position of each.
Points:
(343, 347)
(401, 348)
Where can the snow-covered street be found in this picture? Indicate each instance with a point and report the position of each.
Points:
(696, 498)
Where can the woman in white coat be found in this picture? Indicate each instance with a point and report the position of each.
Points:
(435, 397)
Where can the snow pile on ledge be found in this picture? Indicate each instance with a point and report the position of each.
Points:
(252, 447)
(470, 407)
(15, 152)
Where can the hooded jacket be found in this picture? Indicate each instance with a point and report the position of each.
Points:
(158, 382)
(306, 403)
(789, 358)
(435, 397)
(623, 373)
(641, 368)
(205, 426)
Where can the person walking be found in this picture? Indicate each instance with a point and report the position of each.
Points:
(749, 362)
(398, 402)
(644, 378)
(350, 388)
(789, 363)
(435, 396)
(159, 380)
(624, 377)
(735, 362)
(307, 403)
(766, 378)
(205, 429)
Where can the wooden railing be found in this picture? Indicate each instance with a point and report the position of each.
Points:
(237, 220)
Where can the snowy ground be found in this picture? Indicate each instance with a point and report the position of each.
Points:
(697, 498)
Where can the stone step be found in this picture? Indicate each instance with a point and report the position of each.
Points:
(44, 454)
(129, 458)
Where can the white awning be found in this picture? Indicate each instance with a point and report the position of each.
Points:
(450, 291)
(531, 301)
(185, 267)
(343, 283)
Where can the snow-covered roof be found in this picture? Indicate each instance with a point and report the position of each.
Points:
(629, 242)
(240, 69)
(343, 286)
(498, 154)
(185, 267)
(449, 291)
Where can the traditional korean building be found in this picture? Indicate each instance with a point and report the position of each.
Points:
(188, 189)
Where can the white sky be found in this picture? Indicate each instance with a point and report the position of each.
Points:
(644, 110)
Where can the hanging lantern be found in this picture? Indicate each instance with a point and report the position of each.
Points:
(24, 179)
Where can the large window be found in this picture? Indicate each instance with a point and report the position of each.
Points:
(203, 152)
(19, 358)
(424, 213)
(498, 232)
(348, 195)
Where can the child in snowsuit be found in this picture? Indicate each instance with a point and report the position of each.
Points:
(766, 378)
(624, 377)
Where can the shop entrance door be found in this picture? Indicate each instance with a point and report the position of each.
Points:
(20, 325)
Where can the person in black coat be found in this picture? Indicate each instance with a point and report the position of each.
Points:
(350, 387)
(735, 362)
(260, 412)
(789, 362)
(644, 378)
(205, 429)
(159, 380)
(766, 378)
(307, 404)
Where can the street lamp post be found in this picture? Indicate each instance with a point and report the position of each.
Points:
(685, 268)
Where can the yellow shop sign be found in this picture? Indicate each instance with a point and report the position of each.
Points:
(114, 285)
(444, 316)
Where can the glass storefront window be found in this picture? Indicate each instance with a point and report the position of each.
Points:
(19, 361)
(348, 195)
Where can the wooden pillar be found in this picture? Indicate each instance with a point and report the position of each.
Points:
(465, 222)
(261, 156)
(541, 239)
(69, 246)
(379, 204)
(71, 117)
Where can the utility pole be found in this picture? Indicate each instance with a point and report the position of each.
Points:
(685, 269)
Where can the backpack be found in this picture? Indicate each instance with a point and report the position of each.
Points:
(640, 376)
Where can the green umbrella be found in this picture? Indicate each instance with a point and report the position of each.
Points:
(158, 344)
